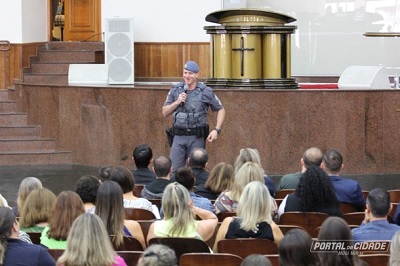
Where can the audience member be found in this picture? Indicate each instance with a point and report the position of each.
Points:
(36, 211)
(336, 229)
(142, 157)
(253, 217)
(104, 173)
(221, 178)
(395, 250)
(123, 176)
(86, 187)
(375, 225)
(89, 244)
(252, 155)
(197, 160)
(227, 201)
(396, 217)
(312, 156)
(294, 249)
(26, 186)
(347, 190)
(14, 251)
(110, 209)
(162, 167)
(67, 207)
(185, 177)
(256, 259)
(158, 255)
(314, 193)
(178, 218)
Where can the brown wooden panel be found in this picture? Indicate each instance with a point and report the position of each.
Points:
(166, 60)
(82, 20)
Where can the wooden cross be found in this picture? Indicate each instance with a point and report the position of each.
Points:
(242, 49)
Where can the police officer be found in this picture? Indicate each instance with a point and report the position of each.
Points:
(188, 103)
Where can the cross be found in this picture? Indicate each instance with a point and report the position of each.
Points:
(242, 49)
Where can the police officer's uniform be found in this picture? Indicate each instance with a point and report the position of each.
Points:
(190, 126)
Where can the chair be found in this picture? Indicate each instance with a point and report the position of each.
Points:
(365, 193)
(210, 242)
(281, 194)
(35, 237)
(354, 218)
(156, 202)
(394, 195)
(222, 215)
(131, 258)
(138, 190)
(375, 259)
(286, 228)
(55, 253)
(182, 245)
(129, 244)
(310, 221)
(273, 258)
(278, 202)
(138, 214)
(347, 207)
(247, 246)
(145, 225)
(210, 259)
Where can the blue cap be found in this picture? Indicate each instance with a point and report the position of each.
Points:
(192, 66)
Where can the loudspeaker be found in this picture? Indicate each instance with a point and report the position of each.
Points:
(119, 50)
(364, 77)
(87, 74)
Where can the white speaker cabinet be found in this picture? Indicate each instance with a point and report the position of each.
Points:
(119, 50)
(87, 74)
(364, 78)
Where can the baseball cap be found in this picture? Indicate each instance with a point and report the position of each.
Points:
(192, 66)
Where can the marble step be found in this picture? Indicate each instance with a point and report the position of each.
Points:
(68, 56)
(28, 144)
(53, 68)
(7, 106)
(35, 158)
(46, 79)
(3, 95)
(13, 119)
(93, 46)
(19, 132)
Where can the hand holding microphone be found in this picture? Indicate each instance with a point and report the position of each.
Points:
(185, 89)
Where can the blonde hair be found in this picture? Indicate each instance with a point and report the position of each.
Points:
(88, 243)
(221, 178)
(37, 207)
(394, 259)
(247, 155)
(249, 171)
(27, 185)
(175, 204)
(254, 206)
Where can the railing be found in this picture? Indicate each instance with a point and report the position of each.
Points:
(4, 45)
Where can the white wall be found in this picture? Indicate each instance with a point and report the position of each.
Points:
(10, 21)
(164, 21)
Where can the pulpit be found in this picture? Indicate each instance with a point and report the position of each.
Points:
(251, 48)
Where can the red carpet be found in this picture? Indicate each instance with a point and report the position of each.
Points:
(317, 86)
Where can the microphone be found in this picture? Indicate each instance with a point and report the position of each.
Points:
(185, 89)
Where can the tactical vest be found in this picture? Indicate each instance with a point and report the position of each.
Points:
(193, 113)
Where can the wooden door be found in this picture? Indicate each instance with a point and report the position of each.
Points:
(82, 20)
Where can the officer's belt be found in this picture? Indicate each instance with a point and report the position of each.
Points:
(186, 131)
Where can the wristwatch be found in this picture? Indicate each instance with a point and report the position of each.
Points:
(218, 130)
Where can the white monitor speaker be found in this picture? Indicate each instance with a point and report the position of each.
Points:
(87, 74)
(364, 77)
(119, 50)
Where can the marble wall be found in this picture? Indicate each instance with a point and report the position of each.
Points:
(102, 125)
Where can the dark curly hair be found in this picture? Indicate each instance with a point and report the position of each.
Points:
(315, 189)
(86, 187)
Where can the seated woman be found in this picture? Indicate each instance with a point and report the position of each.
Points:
(221, 178)
(294, 249)
(314, 193)
(178, 218)
(86, 238)
(14, 251)
(36, 211)
(67, 207)
(123, 176)
(110, 209)
(25, 187)
(336, 229)
(253, 217)
(86, 187)
(227, 201)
